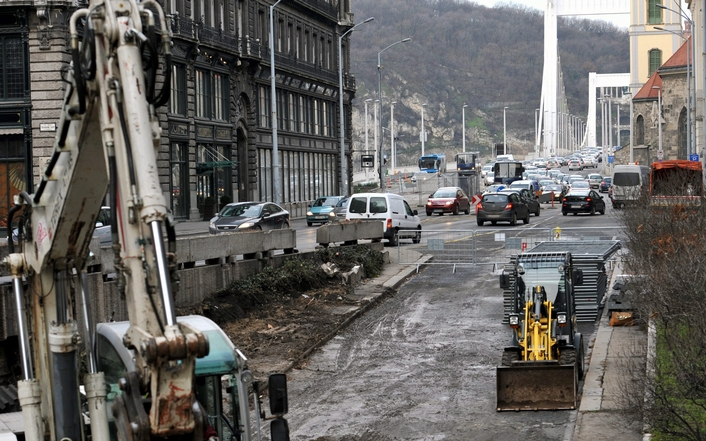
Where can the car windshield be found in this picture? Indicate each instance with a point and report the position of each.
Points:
(580, 184)
(627, 179)
(444, 193)
(553, 187)
(325, 202)
(342, 202)
(247, 210)
(544, 274)
(495, 198)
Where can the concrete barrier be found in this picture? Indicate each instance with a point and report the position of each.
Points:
(349, 232)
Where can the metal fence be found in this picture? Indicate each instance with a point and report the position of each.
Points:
(485, 246)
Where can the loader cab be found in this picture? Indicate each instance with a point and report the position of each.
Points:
(221, 380)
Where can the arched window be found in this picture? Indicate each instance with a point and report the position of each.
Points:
(640, 131)
(655, 59)
(654, 14)
(682, 135)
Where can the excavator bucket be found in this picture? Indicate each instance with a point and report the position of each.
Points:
(536, 386)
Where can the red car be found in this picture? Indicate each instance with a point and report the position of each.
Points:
(448, 200)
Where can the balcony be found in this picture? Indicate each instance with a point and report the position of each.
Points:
(326, 7)
(216, 37)
(183, 27)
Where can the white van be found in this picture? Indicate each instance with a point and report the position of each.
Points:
(627, 184)
(392, 209)
(505, 158)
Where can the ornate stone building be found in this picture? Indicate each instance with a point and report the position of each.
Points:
(216, 128)
(670, 86)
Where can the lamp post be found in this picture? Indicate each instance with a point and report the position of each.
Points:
(422, 133)
(366, 132)
(660, 153)
(507, 150)
(631, 133)
(276, 195)
(393, 153)
(382, 175)
(536, 132)
(375, 137)
(463, 126)
(341, 124)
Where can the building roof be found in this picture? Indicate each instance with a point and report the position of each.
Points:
(678, 58)
(647, 92)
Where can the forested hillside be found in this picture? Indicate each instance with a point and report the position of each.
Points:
(463, 53)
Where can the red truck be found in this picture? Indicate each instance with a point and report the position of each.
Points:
(676, 182)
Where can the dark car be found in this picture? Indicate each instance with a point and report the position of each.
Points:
(605, 184)
(501, 207)
(582, 201)
(341, 208)
(249, 216)
(448, 200)
(527, 197)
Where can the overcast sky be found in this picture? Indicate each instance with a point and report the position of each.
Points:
(619, 20)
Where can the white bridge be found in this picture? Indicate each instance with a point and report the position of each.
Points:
(559, 130)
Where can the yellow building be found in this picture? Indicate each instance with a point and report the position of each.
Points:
(654, 37)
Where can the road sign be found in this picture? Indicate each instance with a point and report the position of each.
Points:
(660, 154)
(475, 199)
(367, 161)
(611, 159)
(694, 157)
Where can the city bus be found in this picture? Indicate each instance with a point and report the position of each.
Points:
(466, 162)
(507, 172)
(433, 163)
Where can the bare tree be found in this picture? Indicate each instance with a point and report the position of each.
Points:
(666, 252)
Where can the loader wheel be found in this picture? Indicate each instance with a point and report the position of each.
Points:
(509, 357)
(567, 357)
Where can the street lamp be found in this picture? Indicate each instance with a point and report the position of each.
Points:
(631, 124)
(660, 152)
(382, 176)
(366, 132)
(463, 126)
(507, 150)
(393, 153)
(536, 132)
(423, 134)
(340, 106)
(273, 103)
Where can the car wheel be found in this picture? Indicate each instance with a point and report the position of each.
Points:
(394, 239)
(285, 225)
(526, 219)
(258, 227)
(537, 212)
(455, 212)
(428, 213)
(494, 222)
(513, 221)
(593, 210)
(480, 223)
(468, 210)
(417, 237)
(602, 212)
(564, 213)
(308, 224)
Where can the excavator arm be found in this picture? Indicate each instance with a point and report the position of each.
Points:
(107, 142)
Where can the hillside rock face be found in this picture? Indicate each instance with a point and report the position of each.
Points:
(463, 53)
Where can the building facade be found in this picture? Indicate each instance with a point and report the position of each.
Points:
(216, 143)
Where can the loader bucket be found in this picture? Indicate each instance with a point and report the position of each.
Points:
(536, 386)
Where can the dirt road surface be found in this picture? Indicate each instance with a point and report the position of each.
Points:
(420, 366)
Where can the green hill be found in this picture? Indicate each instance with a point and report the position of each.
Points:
(463, 53)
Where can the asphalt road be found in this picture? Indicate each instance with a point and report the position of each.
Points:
(421, 366)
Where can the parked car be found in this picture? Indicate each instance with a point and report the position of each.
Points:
(501, 207)
(391, 209)
(321, 211)
(582, 201)
(448, 200)
(575, 164)
(527, 197)
(594, 179)
(253, 216)
(341, 208)
(605, 184)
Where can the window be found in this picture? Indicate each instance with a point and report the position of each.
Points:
(13, 78)
(264, 107)
(203, 86)
(13, 177)
(220, 97)
(177, 103)
(640, 131)
(655, 57)
(654, 14)
(292, 113)
(179, 179)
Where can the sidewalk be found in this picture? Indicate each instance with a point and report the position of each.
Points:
(598, 416)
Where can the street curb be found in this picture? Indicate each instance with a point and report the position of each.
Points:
(389, 288)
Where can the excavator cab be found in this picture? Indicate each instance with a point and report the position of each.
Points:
(541, 367)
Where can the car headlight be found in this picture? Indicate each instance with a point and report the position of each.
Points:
(514, 320)
(331, 215)
(246, 225)
(212, 223)
(449, 202)
(561, 319)
(309, 213)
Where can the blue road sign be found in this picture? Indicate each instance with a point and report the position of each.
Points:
(611, 159)
(694, 157)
